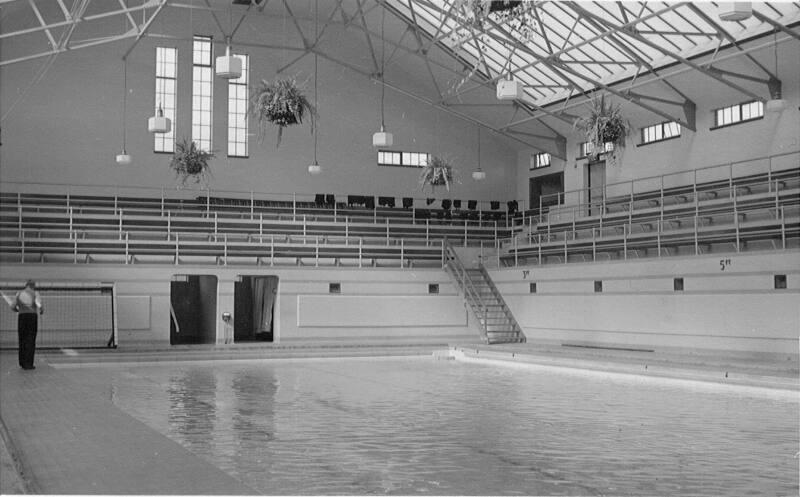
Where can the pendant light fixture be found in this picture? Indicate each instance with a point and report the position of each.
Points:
(228, 66)
(315, 168)
(159, 123)
(383, 138)
(479, 174)
(124, 158)
(735, 11)
(775, 104)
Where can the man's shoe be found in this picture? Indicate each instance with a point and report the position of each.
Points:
(28, 367)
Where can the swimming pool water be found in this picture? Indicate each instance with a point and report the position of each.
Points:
(421, 426)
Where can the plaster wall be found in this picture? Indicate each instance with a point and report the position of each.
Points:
(375, 305)
(67, 128)
(724, 306)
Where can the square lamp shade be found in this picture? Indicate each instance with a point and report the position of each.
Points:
(159, 123)
(229, 67)
(382, 139)
(735, 11)
(509, 90)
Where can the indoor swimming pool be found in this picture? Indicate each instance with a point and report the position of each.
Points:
(432, 427)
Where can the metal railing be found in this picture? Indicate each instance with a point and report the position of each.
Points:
(251, 202)
(768, 223)
(472, 297)
(578, 202)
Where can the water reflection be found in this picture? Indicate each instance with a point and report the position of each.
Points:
(444, 428)
(192, 410)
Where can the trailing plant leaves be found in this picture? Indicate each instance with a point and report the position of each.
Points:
(604, 123)
(438, 172)
(280, 103)
(190, 163)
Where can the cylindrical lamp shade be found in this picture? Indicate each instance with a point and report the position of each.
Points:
(314, 169)
(229, 67)
(478, 175)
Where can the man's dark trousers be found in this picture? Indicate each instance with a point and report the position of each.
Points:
(26, 329)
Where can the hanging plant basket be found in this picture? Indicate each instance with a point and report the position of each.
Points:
(438, 172)
(190, 163)
(280, 103)
(604, 124)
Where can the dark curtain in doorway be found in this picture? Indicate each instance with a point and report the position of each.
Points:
(264, 293)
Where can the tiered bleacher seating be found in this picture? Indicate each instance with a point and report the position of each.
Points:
(755, 211)
(208, 229)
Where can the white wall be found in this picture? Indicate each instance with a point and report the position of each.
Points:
(375, 305)
(735, 308)
(68, 128)
(772, 135)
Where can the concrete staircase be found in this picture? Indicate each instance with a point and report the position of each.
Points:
(495, 321)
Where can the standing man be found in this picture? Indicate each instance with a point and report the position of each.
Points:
(28, 304)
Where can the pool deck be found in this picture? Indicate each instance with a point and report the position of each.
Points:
(60, 437)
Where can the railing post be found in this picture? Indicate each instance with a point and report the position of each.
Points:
(208, 201)
(169, 223)
(387, 231)
(783, 228)
(346, 227)
(769, 175)
(120, 225)
(736, 221)
(594, 245)
(730, 179)
(19, 212)
(497, 248)
(177, 248)
(225, 249)
(565, 247)
(402, 251)
(162, 200)
(260, 224)
(304, 229)
(252, 205)
(294, 207)
(696, 245)
(334, 209)
(271, 250)
(660, 226)
(625, 241)
(71, 232)
(465, 232)
(495, 229)
(216, 225)
(540, 250)
(127, 254)
(516, 253)
(316, 250)
(360, 251)
(427, 231)
(444, 257)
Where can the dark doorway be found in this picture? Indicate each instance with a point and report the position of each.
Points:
(595, 185)
(193, 309)
(547, 188)
(254, 299)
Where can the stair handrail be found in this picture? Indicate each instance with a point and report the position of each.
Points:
(471, 294)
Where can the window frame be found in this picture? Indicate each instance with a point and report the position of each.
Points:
(738, 109)
(609, 147)
(234, 85)
(403, 156)
(204, 70)
(536, 161)
(662, 126)
(159, 95)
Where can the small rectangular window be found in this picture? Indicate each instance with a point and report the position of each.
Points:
(780, 281)
(677, 284)
(433, 288)
(334, 288)
(532, 288)
(585, 148)
(660, 132)
(598, 286)
(739, 113)
(406, 159)
(540, 160)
